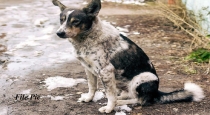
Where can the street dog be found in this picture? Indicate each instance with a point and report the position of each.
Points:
(127, 74)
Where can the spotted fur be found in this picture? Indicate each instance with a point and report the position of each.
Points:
(126, 71)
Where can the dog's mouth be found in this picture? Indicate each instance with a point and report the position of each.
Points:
(64, 35)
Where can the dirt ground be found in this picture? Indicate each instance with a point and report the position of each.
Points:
(166, 46)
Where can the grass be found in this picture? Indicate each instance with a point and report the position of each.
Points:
(200, 55)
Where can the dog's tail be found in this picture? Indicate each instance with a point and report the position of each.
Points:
(191, 92)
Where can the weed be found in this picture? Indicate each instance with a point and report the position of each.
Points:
(199, 55)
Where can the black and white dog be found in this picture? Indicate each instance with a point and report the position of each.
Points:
(126, 71)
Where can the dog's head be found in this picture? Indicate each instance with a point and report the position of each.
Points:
(76, 21)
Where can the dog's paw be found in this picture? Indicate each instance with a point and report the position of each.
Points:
(85, 98)
(105, 109)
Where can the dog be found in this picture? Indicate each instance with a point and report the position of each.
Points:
(126, 72)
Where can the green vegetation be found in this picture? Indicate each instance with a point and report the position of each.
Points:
(199, 55)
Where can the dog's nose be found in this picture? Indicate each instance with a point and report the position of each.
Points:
(61, 34)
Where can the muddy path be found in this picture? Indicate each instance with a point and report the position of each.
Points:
(33, 53)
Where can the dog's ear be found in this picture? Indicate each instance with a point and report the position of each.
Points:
(59, 4)
(93, 8)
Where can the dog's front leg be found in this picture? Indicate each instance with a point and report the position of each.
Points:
(108, 77)
(92, 84)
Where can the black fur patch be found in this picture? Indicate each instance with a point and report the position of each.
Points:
(133, 60)
(147, 92)
(80, 20)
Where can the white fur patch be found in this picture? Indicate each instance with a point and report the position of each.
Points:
(68, 13)
(124, 44)
(62, 27)
(144, 77)
(150, 63)
(196, 90)
(139, 79)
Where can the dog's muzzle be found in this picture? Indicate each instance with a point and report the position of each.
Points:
(61, 34)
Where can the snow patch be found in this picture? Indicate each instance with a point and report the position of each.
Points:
(123, 33)
(122, 29)
(123, 108)
(38, 53)
(137, 2)
(44, 37)
(106, 22)
(85, 3)
(60, 57)
(27, 43)
(120, 110)
(3, 111)
(12, 8)
(48, 30)
(98, 95)
(56, 98)
(28, 91)
(136, 33)
(134, 2)
(31, 41)
(120, 113)
(59, 81)
(40, 21)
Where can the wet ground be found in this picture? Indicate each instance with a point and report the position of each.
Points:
(30, 52)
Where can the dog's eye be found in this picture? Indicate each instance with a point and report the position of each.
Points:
(75, 22)
(63, 18)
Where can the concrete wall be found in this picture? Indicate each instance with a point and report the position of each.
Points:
(201, 9)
